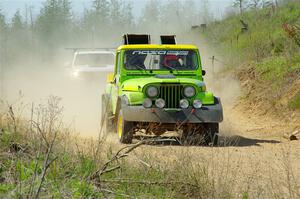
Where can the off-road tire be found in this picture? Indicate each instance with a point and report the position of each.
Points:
(124, 129)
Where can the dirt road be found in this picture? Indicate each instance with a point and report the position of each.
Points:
(252, 157)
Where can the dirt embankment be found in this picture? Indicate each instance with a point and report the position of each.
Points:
(273, 109)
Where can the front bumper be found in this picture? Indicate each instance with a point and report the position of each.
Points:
(206, 114)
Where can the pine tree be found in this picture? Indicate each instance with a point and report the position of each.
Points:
(172, 16)
(101, 11)
(16, 23)
(205, 13)
(54, 21)
(190, 15)
(116, 13)
(127, 16)
(3, 25)
(151, 13)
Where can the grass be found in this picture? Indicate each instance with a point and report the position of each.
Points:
(41, 159)
(266, 46)
(295, 102)
(275, 69)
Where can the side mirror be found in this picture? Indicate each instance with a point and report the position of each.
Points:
(110, 78)
(203, 72)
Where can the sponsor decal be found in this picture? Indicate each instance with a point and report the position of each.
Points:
(160, 52)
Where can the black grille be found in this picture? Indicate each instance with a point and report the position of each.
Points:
(171, 93)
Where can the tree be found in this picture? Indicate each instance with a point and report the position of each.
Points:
(205, 13)
(240, 4)
(54, 21)
(171, 17)
(17, 39)
(267, 3)
(16, 23)
(127, 16)
(151, 14)
(3, 25)
(101, 11)
(256, 4)
(189, 13)
(116, 13)
(2, 51)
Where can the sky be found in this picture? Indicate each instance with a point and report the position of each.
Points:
(9, 7)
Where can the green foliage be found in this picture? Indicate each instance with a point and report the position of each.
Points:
(82, 189)
(54, 22)
(16, 22)
(264, 44)
(275, 68)
(294, 103)
(245, 195)
(3, 25)
(5, 188)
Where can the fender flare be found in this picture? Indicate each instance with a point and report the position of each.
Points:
(122, 102)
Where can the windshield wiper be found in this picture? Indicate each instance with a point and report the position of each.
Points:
(141, 68)
(172, 68)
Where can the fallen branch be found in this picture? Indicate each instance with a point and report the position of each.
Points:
(123, 152)
(151, 183)
(114, 193)
(111, 169)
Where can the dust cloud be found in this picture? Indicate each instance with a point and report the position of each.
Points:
(30, 82)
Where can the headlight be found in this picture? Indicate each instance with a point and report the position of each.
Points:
(189, 91)
(147, 103)
(197, 103)
(152, 91)
(184, 103)
(160, 103)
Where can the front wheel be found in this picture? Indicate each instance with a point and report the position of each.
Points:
(124, 130)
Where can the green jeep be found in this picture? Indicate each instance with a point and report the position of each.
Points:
(160, 88)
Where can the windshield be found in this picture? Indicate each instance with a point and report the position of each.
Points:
(161, 60)
(94, 60)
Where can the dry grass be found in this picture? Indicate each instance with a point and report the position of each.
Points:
(40, 158)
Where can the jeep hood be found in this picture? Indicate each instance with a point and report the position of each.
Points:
(138, 84)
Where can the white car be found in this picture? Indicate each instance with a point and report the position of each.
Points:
(92, 62)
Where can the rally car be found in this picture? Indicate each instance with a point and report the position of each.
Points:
(157, 88)
(92, 62)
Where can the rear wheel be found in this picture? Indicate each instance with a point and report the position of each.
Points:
(124, 129)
